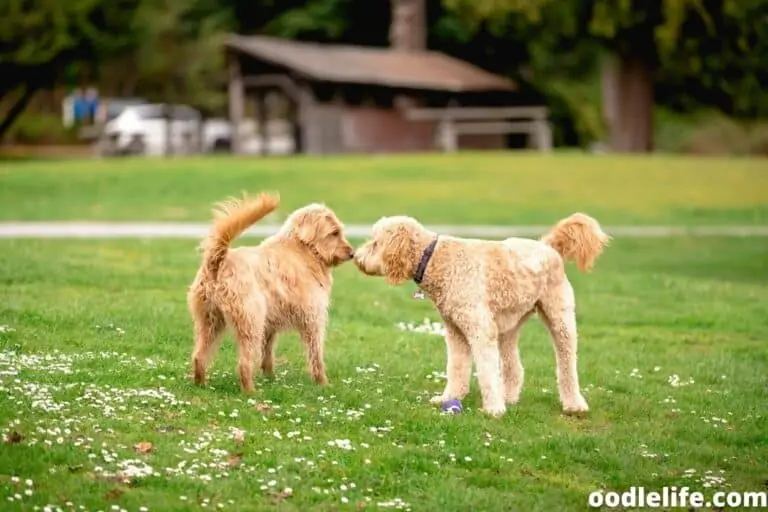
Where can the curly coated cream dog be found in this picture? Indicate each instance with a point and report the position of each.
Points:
(485, 291)
(283, 283)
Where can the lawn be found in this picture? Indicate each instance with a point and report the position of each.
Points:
(482, 188)
(95, 341)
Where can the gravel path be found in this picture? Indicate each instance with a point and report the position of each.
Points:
(198, 230)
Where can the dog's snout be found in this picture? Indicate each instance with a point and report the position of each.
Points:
(351, 254)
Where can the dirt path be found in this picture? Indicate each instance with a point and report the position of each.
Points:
(198, 230)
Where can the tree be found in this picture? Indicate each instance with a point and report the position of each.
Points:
(39, 39)
(640, 39)
(720, 61)
(178, 53)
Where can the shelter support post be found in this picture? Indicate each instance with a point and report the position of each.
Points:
(261, 112)
(236, 102)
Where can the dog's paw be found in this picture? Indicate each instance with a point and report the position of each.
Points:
(438, 400)
(495, 411)
(576, 406)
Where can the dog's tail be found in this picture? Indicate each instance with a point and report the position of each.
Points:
(230, 219)
(578, 238)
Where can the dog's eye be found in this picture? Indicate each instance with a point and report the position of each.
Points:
(336, 232)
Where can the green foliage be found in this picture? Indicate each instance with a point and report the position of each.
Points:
(709, 132)
(710, 53)
(704, 52)
(575, 110)
(330, 21)
(178, 56)
(617, 23)
(37, 32)
(35, 128)
(325, 19)
(170, 48)
(723, 67)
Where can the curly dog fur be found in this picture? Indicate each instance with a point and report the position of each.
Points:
(485, 291)
(283, 283)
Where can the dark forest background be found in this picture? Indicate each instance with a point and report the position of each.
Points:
(675, 75)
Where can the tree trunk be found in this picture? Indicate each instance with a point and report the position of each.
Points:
(408, 32)
(408, 28)
(17, 109)
(628, 104)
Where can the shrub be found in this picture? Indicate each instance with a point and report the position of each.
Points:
(36, 128)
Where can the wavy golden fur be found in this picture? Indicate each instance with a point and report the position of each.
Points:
(231, 218)
(284, 283)
(485, 291)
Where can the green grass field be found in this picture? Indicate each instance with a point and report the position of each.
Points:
(97, 411)
(492, 188)
(97, 362)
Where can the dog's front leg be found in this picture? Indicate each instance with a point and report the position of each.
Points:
(313, 338)
(458, 368)
(485, 350)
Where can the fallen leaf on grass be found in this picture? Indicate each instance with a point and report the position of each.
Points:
(14, 438)
(235, 460)
(144, 447)
(277, 497)
(74, 469)
(262, 407)
(113, 494)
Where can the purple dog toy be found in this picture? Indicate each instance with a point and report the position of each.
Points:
(451, 406)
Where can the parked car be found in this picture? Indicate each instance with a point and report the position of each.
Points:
(110, 108)
(142, 130)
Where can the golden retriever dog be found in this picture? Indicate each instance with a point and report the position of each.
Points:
(284, 283)
(485, 291)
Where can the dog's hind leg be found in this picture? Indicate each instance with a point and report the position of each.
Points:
(313, 338)
(246, 317)
(209, 324)
(558, 311)
(268, 354)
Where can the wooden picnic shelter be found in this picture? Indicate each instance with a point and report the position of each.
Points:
(354, 99)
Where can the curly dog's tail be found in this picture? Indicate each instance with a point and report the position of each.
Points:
(231, 218)
(578, 238)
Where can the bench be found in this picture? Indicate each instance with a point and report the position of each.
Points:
(456, 121)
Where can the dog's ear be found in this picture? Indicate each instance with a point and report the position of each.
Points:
(397, 255)
(308, 229)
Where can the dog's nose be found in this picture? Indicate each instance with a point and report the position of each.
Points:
(351, 254)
